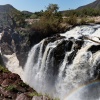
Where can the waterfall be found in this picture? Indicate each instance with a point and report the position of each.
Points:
(61, 64)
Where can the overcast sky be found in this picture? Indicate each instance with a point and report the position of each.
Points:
(37, 5)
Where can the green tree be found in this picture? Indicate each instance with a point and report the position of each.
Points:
(49, 22)
(53, 8)
(16, 19)
(72, 20)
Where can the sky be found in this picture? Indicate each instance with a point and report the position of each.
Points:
(38, 5)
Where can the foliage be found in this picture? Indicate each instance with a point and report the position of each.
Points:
(83, 12)
(23, 85)
(11, 88)
(3, 69)
(49, 22)
(83, 21)
(33, 16)
(91, 21)
(15, 19)
(19, 18)
(38, 14)
(34, 94)
(72, 20)
(38, 94)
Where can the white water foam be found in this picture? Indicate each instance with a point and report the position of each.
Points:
(39, 71)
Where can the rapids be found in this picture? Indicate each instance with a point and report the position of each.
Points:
(61, 64)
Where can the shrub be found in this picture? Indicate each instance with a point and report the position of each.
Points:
(91, 21)
(33, 16)
(83, 21)
(3, 69)
(11, 88)
(72, 20)
(49, 22)
(34, 94)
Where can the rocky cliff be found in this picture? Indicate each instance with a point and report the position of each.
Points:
(12, 43)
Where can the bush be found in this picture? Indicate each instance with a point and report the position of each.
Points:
(72, 20)
(91, 21)
(49, 22)
(83, 12)
(11, 88)
(83, 21)
(33, 16)
(3, 69)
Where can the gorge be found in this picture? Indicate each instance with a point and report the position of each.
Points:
(63, 64)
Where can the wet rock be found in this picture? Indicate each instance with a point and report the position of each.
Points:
(22, 57)
(1, 80)
(78, 44)
(72, 56)
(58, 54)
(1, 60)
(40, 98)
(6, 49)
(13, 76)
(5, 75)
(18, 81)
(12, 43)
(7, 94)
(68, 45)
(16, 37)
(7, 99)
(6, 37)
(20, 89)
(22, 97)
(51, 39)
(1, 90)
(94, 48)
(6, 82)
(1, 75)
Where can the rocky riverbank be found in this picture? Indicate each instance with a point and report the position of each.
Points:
(13, 88)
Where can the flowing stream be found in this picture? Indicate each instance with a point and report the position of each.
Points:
(65, 66)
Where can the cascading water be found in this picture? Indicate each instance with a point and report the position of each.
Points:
(58, 65)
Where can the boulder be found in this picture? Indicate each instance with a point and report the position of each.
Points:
(6, 82)
(7, 94)
(40, 98)
(22, 97)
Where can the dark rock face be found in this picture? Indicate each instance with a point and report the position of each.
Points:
(36, 37)
(1, 60)
(6, 49)
(6, 37)
(4, 10)
(94, 48)
(77, 45)
(12, 43)
(7, 94)
(58, 53)
(6, 82)
(22, 97)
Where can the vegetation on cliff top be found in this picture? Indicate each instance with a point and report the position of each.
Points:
(49, 22)
(39, 25)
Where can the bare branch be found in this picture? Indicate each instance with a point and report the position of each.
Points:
(85, 37)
